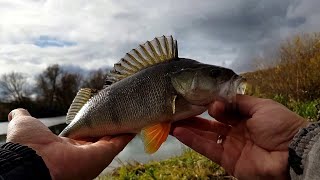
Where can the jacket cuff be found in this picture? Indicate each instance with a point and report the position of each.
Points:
(18, 161)
(301, 145)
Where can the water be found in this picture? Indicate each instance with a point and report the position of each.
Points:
(133, 152)
(47, 121)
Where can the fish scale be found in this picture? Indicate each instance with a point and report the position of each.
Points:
(128, 96)
(149, 98)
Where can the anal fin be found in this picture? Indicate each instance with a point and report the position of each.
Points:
(153, 136)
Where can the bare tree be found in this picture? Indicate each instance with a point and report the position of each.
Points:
(14, 86)
(68, 87)
(47, 83)
(96, 79)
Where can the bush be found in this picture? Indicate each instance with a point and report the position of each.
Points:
(309, 110)
(294, 71)
(282, 99)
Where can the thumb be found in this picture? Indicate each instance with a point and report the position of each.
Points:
(25, 129)
(17, 113)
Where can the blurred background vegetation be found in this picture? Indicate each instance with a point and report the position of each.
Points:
(46, 95)
(292, 77)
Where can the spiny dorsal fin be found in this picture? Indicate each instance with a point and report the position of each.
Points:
(159, 50)
(81, 99)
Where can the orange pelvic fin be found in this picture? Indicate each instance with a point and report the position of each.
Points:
(153, 136)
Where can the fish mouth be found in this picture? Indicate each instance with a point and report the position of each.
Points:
(240, 85)
(236, 85)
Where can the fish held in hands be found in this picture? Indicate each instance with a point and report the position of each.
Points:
(146, 91)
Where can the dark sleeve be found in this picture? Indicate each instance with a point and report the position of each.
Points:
(21, 162)
(304, 153)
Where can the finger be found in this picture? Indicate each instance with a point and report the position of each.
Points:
(88, 139)
(205, 134)
(216, 108)
(23, 128)
(219, 111)
(119, 142)
(200, 144)
(112, 146)
(103, 151)
(18, 112)
(100, 154)
(245, 104)
(243, 107)
(203, 124)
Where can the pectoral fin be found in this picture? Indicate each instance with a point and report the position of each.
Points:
(154, 136)
(174, 104)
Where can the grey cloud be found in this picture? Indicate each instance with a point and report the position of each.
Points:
(74, 69)
(240, 29)
(248, 22)
(252, 28)
(295, 22)
(230, 32)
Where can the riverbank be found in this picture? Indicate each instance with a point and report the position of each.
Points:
(189, 165)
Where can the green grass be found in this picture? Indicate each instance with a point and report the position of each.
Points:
(310, 110)
(190, 165)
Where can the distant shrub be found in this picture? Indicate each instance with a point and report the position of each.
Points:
(294, 72)
(281, 99)
(309, 110)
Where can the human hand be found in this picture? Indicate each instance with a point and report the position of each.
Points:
(65, 158)
(255, 137)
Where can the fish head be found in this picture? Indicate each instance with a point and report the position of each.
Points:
(203, 84)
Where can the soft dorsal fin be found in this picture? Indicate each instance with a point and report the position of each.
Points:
(159, 50)
(81, 99)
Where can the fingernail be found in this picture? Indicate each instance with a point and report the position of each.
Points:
(18, 112)
(10, 116)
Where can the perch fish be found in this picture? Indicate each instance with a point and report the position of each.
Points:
(147, 90)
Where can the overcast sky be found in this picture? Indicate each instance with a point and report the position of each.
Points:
(85, 35)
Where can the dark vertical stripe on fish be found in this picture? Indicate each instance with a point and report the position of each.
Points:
(114, 114)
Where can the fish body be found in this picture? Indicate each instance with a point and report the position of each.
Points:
(151, 98)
